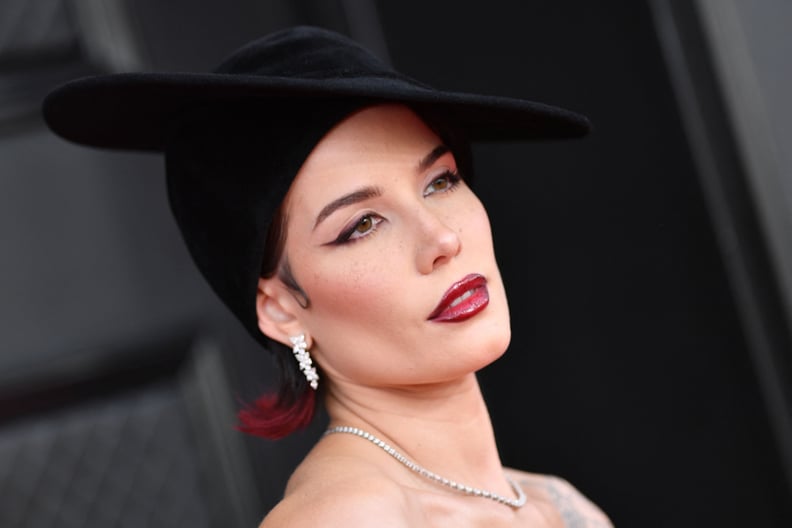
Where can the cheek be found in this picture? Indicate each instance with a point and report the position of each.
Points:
(352, 290)
(354, 304)
(474, 226)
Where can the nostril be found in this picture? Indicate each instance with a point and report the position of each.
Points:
(439, 261)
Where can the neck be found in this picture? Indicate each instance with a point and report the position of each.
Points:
(445, 428)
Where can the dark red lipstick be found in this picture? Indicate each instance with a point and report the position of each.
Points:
(462, 300)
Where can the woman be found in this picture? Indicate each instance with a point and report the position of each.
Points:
(324, 197)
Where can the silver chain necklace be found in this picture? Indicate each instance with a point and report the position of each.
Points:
(514, 503)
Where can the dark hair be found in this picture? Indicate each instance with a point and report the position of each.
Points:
(293, 406)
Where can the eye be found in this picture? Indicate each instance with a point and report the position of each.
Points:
(445, 182)
(362, 227)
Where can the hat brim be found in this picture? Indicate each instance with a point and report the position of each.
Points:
(134, 111)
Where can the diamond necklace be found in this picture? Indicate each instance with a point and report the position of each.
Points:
(514, 503)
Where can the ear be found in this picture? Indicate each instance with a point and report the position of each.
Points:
(277, 312)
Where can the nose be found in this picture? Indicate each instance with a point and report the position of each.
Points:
(438, 242)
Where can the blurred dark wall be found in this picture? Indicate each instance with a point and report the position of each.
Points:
(630, 373)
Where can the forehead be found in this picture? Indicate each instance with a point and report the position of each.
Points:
(375, 130)
(378, 135)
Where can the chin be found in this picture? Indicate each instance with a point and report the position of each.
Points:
(500, 346)
(494, 346)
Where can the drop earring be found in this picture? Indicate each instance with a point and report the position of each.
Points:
(304, 359)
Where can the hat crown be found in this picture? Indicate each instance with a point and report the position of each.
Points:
(306, 52)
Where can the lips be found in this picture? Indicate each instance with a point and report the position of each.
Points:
(462, 300)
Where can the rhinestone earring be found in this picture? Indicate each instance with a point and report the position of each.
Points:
(304, 359)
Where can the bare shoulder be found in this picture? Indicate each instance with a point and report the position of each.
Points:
(317, 495)
(572, 506)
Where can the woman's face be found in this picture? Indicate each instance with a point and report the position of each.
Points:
(395, 254)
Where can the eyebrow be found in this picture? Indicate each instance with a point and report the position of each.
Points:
(348, 199)
(372, 192)
(433, 156)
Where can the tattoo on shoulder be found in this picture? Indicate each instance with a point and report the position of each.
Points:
(575, 509)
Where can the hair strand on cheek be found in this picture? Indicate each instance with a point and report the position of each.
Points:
(287, 277)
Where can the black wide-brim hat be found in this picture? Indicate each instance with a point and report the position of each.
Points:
(235, 138)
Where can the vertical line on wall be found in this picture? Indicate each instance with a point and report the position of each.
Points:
(732, 209)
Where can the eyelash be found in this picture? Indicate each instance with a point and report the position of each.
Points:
(453, 178)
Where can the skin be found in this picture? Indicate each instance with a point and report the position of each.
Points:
(386, 367)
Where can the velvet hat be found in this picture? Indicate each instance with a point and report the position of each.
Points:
(234, 138)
